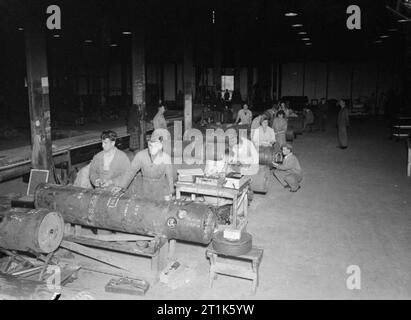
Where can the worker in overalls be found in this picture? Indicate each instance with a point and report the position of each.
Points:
(156, 181)
(280, 127)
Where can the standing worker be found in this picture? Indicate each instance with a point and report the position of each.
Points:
(343, 121)
(280, 127)
(244, 115)
(157, 172)
(159, 121)
(322, 114)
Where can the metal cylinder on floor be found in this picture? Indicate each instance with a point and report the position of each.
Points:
(40, 230)
(120, 212)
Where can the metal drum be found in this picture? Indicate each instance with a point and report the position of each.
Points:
(40, 230)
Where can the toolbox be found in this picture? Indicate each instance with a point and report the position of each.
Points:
(127, 286)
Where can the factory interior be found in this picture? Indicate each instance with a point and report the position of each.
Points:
(205, 150)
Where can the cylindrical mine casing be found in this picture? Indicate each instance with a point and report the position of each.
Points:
(121, 212)
(266, 155)
(40, 230)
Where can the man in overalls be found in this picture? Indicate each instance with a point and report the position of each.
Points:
(156, 168)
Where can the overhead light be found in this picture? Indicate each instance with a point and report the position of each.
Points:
(378, 41)
(383, 36)
(305, 39)
(302, 32)
(56, 35)
(88, 41)
(297, 25)
(113, 45)
(403, 20)
(20, 28)
(308, 43)
(126, 32)
(393, 29)
(291, 14)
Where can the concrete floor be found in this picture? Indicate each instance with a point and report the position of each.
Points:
(353, 209)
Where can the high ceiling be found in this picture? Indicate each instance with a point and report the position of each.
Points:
(256, 30)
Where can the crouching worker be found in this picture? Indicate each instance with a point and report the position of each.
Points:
(108, 167)
(156, 182)
(289, 173)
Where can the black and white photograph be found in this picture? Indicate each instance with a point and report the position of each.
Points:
(203, 155)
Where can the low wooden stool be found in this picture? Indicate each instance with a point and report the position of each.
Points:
(220, 267)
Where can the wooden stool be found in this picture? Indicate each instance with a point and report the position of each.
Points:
(220, 267)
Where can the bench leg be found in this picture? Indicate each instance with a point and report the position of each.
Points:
(212, 277)
(158, 262)
(255, 280)
(171, 249)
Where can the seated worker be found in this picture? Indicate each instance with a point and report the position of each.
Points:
(289, 173)
(256, 122)
(287, 111)
(270, 114)
(108, 166)
(264, 136)
(244, 115)
(280, 127)
(159, 121)
(157, 172)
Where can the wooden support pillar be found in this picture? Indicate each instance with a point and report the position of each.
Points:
(250, 83)
(279, 79)
(38, 91)
(188, 82)
(105, 55)
(217, 62)
(327, 78)
(352, 83)
(124, 78)
(139, 76)
(271, 81)
(407, 67)
(176, 83)
(237, 71)
(304, 65)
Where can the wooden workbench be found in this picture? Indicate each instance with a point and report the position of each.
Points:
(238, 196)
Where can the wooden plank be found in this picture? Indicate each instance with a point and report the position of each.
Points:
(232, 270)
(117, 237)
(92, 253)
(124, 247)
(15, 157)
(111, 271)
(207, 190)
(255, 254)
